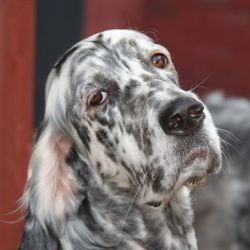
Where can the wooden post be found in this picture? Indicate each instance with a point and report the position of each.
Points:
(17, 19)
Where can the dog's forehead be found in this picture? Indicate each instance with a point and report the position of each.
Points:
(123, 40)
(114, 41)
(115, 52)
(119, 55)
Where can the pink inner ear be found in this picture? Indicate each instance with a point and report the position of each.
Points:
(63, 146)
(54, 182)
(63, 183)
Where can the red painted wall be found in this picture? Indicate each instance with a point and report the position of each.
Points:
(16, 88)
(207, 38)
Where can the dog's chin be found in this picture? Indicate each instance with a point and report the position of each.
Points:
(197, 165)
(194, 170)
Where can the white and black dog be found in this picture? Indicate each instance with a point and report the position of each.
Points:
(120, 146)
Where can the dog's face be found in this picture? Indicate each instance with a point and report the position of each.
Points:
(115, 97)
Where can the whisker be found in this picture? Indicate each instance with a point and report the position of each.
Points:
(133, 200)
(228, 144)
(229, 134)
(199, 85)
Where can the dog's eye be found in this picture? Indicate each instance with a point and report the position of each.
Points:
(97, 98)
(159, 60)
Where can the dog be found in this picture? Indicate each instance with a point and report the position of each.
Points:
(226, 197)
(120, 147)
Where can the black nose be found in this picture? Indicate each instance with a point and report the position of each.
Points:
(183, 116)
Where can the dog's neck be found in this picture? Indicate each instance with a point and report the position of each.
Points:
(118, 217)
(106, 218)
(145, 225)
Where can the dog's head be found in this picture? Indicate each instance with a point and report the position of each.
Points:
(114, 101)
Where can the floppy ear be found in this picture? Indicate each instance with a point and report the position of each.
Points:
(51, 187)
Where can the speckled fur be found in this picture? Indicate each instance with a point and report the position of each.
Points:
(94, 169)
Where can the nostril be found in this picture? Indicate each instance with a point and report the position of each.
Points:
(196, 111)
(175, 121)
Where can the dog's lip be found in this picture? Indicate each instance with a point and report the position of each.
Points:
(199, 153)
(196, 181)
(213, 166)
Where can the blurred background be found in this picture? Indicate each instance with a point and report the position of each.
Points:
(209, 41)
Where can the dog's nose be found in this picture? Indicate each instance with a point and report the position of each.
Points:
(183, 116)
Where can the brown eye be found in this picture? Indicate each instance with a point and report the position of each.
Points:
(159, 60)
(97, 98)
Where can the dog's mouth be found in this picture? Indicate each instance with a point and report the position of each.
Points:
(191, 183)
(196, 181)
(200, 162)
(154, 204)
(196, 166)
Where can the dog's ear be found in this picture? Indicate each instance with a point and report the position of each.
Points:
(52, 186)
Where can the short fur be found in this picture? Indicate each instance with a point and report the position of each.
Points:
(97, 173)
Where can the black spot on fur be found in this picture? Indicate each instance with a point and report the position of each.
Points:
(102, 120)
(117, 140)
(132, 43)
(151, 94)
(83, 55)
(111, 155)
(130, 169)
(100, 36)
(101, 45)
(112, 59)
(106, 121)
(128, 97)
(146, 78)
(125, 49)
(154, 84)
(135, 130)
(157, 185)
(121, 127)
(125, 64)
(58, 65)
(83, 133)
(72, 156)
(147, 144)
(102, 136)
(99, 165)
